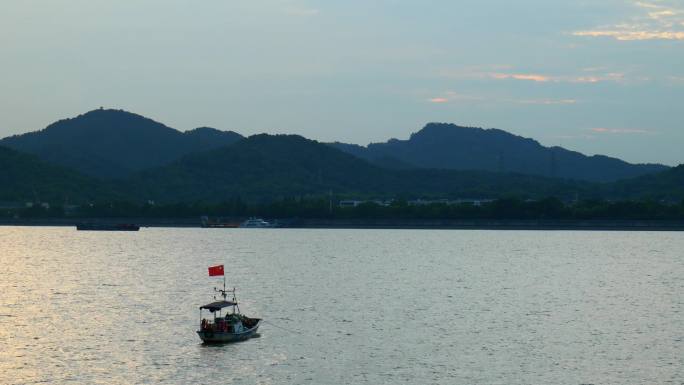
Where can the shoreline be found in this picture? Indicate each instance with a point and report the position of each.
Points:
(417, 224)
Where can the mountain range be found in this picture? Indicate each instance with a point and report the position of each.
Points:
(265, 167)
(448, 146)
(113, 154)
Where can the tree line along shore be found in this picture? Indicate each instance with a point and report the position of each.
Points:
(310, 210)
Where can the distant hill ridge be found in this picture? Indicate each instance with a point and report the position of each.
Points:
(449, 146)
(666, 185)
(265, 167)
(114, 143)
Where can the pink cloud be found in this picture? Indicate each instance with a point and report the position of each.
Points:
(453, 96)
(615, 77)
(531, 77)
(633, 35)
(654, 22)
(587, 75)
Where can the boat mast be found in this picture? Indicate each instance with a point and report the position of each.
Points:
(224, 293)
(235, 302)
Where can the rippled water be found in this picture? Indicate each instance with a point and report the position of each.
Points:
(344, 306)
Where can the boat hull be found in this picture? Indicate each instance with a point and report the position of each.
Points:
(221, 226)
(105, 227)
(216, 337)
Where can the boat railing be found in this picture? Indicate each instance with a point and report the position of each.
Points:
(219, 325)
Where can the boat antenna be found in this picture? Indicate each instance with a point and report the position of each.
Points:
(235, 302)
(224, 292)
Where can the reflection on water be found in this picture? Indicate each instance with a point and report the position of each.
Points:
(344, 306)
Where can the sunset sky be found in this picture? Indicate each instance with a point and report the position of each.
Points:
(594, 76)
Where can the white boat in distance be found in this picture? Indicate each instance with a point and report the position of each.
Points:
(257, 223)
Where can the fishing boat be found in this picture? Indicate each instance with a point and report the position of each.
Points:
(232, 326)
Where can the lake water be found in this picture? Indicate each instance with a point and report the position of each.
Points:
(344, 306)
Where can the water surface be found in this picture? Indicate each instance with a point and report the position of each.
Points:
(344, 306)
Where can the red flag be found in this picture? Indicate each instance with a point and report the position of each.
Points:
(215, 270)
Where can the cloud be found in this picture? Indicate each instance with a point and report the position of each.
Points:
(499, 72)
(608, 77)
(531, 77)
(451, 97)
(647, 5)
(613, 76)
(603, 130)
(654, 22)
(662, 14)
(634, 35)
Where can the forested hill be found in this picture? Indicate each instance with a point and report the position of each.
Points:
(666, 185)
(114, 143)
(265, 167)
(25, 178)
(448, 146)
(133, 158)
